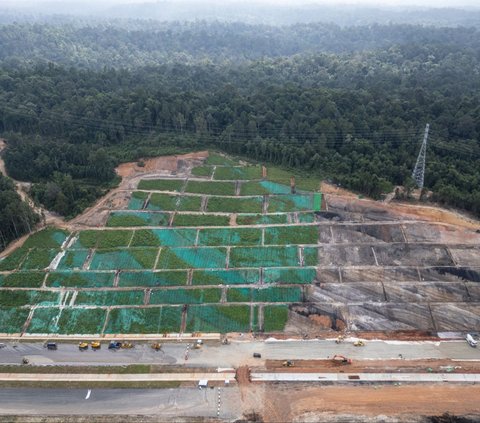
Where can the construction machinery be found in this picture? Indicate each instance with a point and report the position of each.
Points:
(359, 343)
(156, 346)
(198, 344)
(340, 359)
(126, 345)
(95, 345)
(25, 360)
(82, 346)
(340, 339)
(288, 363)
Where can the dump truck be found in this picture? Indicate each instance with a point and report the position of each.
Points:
(340, 359)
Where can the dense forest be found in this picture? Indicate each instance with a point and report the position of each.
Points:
(16, 217)
(349, 104)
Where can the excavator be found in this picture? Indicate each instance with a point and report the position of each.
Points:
(340, 359)
(288, 363)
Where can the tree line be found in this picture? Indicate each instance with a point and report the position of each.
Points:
(356, 118)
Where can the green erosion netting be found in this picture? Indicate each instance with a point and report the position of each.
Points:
(80, 279)
(264, 187)
(13, 260)
(175, 185)
(149, 279)
(233, 173)
(306, 218)
(317, 201)
(217, 159)
(38, 259)
(190, 203)
(292, 235)
(229, 236)
(144, 320)
(201, 220)
(110, 298)
(239, 295)
(23, 280)
(262, 219)
(18, 298)
(175, 202)
(137, 200)
(302, 275)
(235, 204)
(67, 320)
(290, 203)
(185, 296)
(12, 319)
(218, 319)
(163, 202)
(129, 219)
(263, 257)
(275, 317)
(212, 188)
(203, 171)
(185, 258)
(269, 294)
(73, 259)
(46, 238)
(124, 259)
(225, 277)
(103, 239)
(310, 256)
(164, 237)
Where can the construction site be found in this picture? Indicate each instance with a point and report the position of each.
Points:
(241, 255)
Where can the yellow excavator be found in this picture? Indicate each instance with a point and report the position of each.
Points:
(82, 346)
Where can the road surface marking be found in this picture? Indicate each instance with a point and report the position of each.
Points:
(88, 394)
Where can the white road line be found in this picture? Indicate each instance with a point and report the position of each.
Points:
(89, 392)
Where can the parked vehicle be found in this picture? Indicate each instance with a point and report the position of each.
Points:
(257, 355)
(114, 345)
(471, 341)
(51, 345)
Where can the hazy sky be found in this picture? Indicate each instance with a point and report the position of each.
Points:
(434, 3)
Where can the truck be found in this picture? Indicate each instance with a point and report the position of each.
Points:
(471, 341)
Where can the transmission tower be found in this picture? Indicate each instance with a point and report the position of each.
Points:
(419, 170)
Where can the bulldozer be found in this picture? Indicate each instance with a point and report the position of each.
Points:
(82, 346)
(288, 363)
(359, 343)
(95, 345)
(340, 359)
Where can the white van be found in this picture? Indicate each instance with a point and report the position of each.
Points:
(471, 341)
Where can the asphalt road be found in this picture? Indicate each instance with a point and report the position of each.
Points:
(237, 353)
(190, 402)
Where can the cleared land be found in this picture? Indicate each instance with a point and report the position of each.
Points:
(210, 245)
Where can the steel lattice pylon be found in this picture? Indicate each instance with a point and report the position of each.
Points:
(419, 171)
